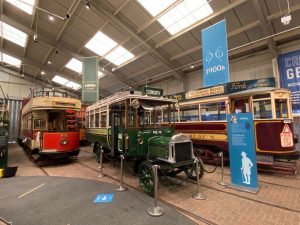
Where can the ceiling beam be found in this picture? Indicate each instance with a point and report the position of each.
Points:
(264, 26)
(59, 46)
(201, 22)
(103, 10)
(121, 7)
(144, 70)
(283, 12)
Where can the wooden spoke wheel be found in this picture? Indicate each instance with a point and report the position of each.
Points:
(190, 171)
(146, 177)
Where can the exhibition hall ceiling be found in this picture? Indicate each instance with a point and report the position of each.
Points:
(138, 42)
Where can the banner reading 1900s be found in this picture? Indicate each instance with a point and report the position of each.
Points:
(90, 81)
(289, 67)
(215, 54)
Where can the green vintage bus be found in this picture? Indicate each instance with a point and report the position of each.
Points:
(130, 123)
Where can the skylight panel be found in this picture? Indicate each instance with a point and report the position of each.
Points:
(10, 60)
(73, 85)
(75, 65)
(154, 7)
(185, 14)
(100, 74)
(60, 80)
(119, 56)
(100, 43)
(13, 34)
(25, 5)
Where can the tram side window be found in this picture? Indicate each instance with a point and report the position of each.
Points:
(262, 109)
(281, 108)
(97, 120)
(189, 113)
(103, 119)
(39, 124)
(92, 121)
(213, 111)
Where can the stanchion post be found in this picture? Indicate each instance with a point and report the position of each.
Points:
(222, 182)
(121, 188)
(156, 210)
(198, 195)
(101, 162)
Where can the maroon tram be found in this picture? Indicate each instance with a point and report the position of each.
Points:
(49, 125)
(203, 118)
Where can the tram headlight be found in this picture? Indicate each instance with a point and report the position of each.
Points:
(64, 142)
(140, 140)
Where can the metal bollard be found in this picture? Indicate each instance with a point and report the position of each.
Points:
(156, 210)
(222, 182)
(198, 195)
(100, 165)
(121, 188)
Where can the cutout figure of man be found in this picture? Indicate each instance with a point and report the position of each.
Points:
(246, 168)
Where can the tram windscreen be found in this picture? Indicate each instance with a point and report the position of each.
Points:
(281, 108)
(262, 109)
(56, 121)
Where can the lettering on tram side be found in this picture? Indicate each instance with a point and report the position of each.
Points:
(214, 137)
(100, 131)
(205, 92)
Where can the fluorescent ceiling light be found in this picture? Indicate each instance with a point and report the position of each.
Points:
(60, 80)
(13, 34)
(75, 65)
(100, 43)
(119, 56)
(154, 7)
(10, 60)
(73, 85)
(25, 5)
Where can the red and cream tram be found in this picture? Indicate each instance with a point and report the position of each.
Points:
(49, 126)
(202, 115)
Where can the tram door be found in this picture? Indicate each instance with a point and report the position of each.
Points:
(240, 104)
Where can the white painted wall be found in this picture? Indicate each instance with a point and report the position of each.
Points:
(253, 67)
(15, 87)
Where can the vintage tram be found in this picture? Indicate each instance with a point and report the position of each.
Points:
(129, 123)
(48, 124)
(202, 116)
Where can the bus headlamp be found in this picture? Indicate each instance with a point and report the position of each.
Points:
(140, 140)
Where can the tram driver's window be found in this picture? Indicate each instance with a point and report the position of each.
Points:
(241, 105)
(281, 108)
(39, 124)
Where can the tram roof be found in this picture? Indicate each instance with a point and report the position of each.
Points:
(120, 96)
(256, 90)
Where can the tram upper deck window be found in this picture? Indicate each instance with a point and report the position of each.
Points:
(92, 120)
(189, 113)
(281, 108)
(213, 111)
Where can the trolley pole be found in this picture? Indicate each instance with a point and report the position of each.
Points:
(222, 182)
(156, 210)
(121, 188)
(101, 163)
(198, 195)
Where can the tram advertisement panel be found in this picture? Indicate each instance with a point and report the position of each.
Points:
(242, 151)
(289, 67)
(215, 54)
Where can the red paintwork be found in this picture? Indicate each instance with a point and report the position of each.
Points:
(52, 141)
(268, 136)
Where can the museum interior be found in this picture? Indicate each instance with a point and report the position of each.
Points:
(147, 112)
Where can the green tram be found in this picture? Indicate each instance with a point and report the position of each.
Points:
(131, 124)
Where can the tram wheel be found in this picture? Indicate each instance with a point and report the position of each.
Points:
(190, 171)
(208, 156)
(146, 177)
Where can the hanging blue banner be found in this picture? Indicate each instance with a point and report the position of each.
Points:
(289, 67)
(215, 55)
(242, 153)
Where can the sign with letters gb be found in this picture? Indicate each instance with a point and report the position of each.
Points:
(215, 54)
(289, 67)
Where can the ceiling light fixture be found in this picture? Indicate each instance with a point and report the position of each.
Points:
(22, 75)
(87, 5)
(50, 17)
(43, 72)
(192, 66)
(49, 62)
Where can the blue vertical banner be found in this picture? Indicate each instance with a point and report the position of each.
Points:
(242, 153)
(215, 55)
(289, 67)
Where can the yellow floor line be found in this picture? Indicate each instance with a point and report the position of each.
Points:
(31, 190)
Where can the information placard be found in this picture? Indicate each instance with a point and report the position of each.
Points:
(242, 151)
